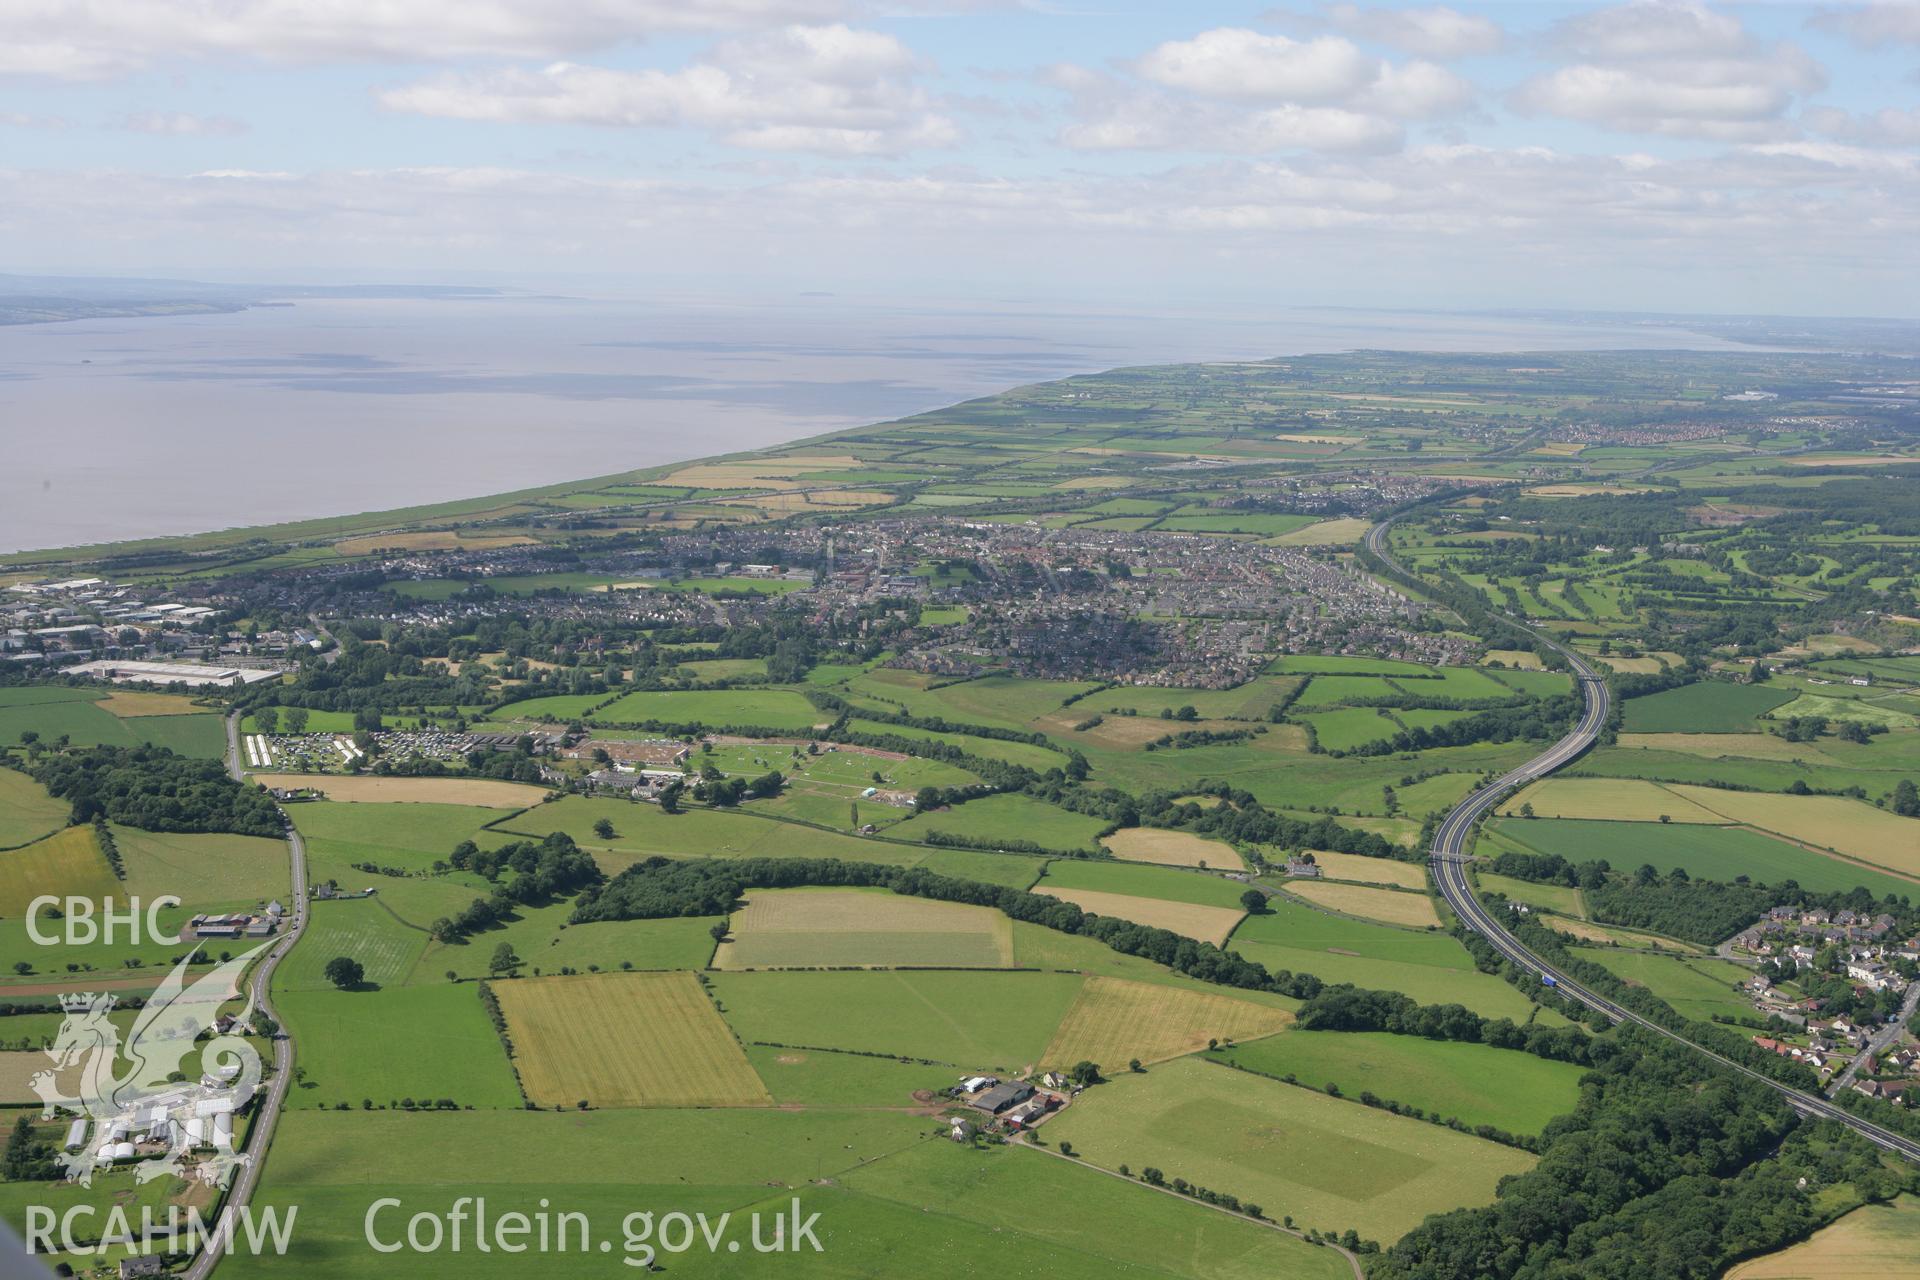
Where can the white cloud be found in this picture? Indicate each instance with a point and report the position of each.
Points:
(1237, 91)
(831, 89)
(1466, 210)
(1418, 90)
(1671, 67)
(86, 39)
(1887, 127)
(182, 124)
(1132, 121)
(1651, 29)
(1873, 26)
(1232, 62)
(1437, 32)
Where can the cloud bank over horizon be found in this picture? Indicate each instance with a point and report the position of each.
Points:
(1652, 154)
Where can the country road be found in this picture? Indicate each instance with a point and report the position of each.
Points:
(1450, 860)
(1878, 1044)
(246, 1178)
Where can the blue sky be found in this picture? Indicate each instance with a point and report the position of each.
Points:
(1656, 155)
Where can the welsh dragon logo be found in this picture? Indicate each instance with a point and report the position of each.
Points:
(157, 1099)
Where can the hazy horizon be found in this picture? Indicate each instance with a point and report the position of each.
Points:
(202, 422)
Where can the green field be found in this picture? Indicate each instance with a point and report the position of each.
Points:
(1141, 881)
(426, 1042)
(971, 1021)
(1333, 691)
(1028, 754)
(72, 712)
(411, 836)
(1428, 966)
(1555, 897)
(887, 1198)
(1342, 664)
(855, 928)
(1326, 1162)
(27, 812)
(1696, 987)
(1348, 727)
(1127, 1229)
(822, 1077)
(781, 710)
(1005, 702)
(1706, 707)
(720, 833)
(1015, 819)
(1473, 1083)
(363, 930)
(207, 871)
(68, 863)
(1250, 701)
(1710, 853)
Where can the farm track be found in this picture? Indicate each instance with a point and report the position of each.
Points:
(1449, 860)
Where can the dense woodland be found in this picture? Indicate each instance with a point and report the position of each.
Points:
(154, 789)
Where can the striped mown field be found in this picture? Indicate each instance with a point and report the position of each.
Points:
(625, 1040)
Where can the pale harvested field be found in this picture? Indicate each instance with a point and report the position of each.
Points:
(1876, 1242)
(489, 793)
(781, 504)
(1525, 659)
(1632, 666)
(1849, 827)
(1327, 533)
(67, 863)
(1097, 482)
(757, 473)
(1172, 848)
(1301, 437)
(1575, 490)
(1203, 924)
(625, 1040)
(1851, 460)
(428, 540)
(1839, 644)
(1577, 929)
(1389, 906)
(841, 928)
(19, 1066)
(1113, 1021)
(132, 705)
(1615, 799)
(1125, 732)
(1753, 746)
(1351, 866)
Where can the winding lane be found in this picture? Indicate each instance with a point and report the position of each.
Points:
(246, 1178)
(1449, 860)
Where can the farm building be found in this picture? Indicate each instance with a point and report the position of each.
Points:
(1003, 1097)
